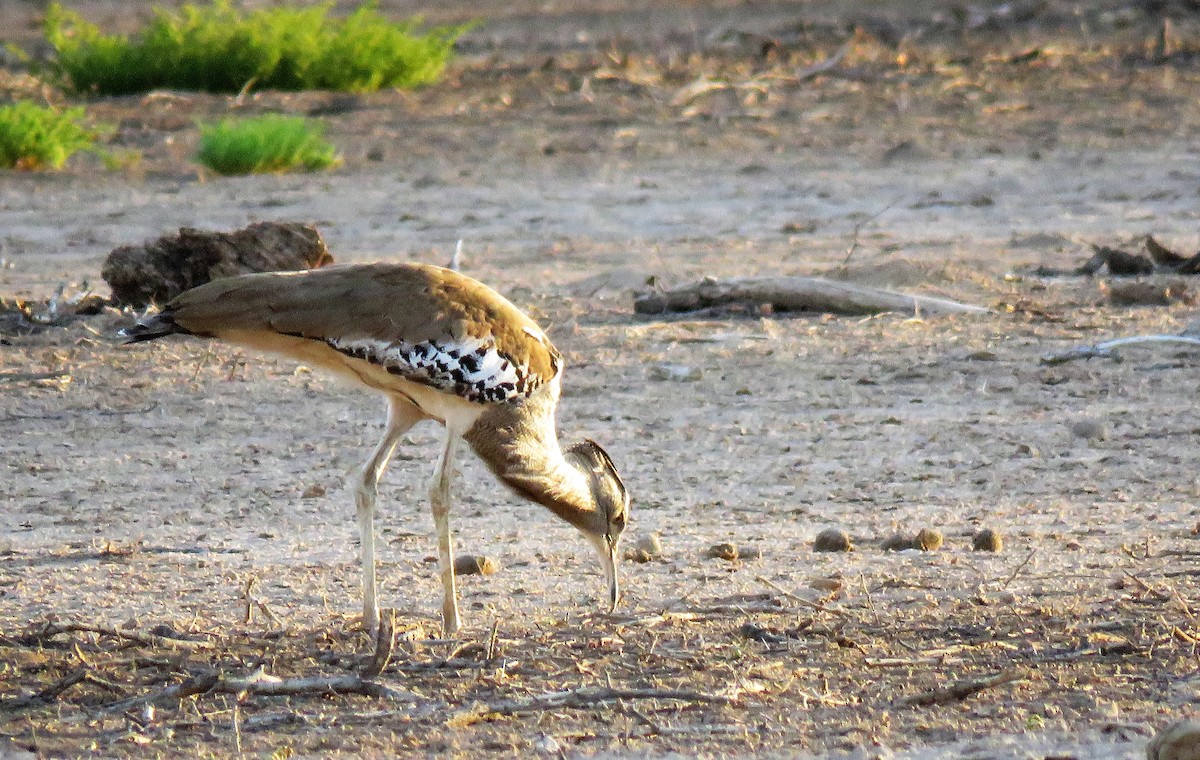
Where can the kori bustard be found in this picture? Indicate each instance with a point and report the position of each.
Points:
(440, 346)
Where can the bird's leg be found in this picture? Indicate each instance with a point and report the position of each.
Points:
(439, 499)
(401, 416)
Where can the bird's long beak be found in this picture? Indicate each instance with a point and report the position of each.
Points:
(608, 559)
(610, 567)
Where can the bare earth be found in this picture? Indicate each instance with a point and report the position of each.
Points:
(578, 153)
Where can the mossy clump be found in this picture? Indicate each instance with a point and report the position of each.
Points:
(38, 137)
(219, 48)
(265, 144)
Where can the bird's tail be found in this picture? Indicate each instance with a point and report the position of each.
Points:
(151, 327)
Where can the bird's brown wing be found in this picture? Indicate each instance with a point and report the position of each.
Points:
(370, 305)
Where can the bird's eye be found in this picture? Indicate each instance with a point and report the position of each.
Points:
(619, 520)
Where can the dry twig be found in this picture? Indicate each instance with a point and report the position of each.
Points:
(585, 698)
(1017, 572)
(798, 599)
(1104, 350)
(960, 690)
(50, 630)
(260, 684)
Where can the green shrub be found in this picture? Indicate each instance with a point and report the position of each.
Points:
(32, 136)
(217, 48)
(270, 143)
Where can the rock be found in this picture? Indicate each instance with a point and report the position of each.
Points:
(928, 540)
(728, 552)
(1178, 741)
(650, 543)
(756, 632)
(832, 540)
(827, 585)
(470, 564)
(896, 542)
(1089, 429)
(315, 491)
(646, 549)
(732, 553)
(158, 271)
(987, 540)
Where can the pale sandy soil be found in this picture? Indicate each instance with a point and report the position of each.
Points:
(149, 484)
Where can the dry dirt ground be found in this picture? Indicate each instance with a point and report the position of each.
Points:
(578, 152)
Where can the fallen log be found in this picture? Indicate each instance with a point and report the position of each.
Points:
(796, 294)
(157, 271)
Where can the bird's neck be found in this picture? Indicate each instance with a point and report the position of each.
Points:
(519, 444)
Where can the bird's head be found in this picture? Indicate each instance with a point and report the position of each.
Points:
(604, 526)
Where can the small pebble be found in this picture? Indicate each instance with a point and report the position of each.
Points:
(832, 540)
(731, 552)
(1178, 741)
(928, 540)
(896, 543)
(727, 552)
(1089, 429)
(828, 585)
(987, 540)
(470, 564)
(646, 549)
(650, 543)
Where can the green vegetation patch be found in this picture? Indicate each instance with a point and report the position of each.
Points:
(217, 48)
(35, 137)
(271, 143)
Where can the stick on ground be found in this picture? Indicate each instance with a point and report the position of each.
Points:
(796, 294)
(579, 698)
(260, 684)
(960, 690)
(1104, 350)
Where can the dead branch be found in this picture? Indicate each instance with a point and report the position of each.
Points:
(32, 377)
(52, 692)
(46, 695)
(262, 685)
(50, 630)
(1104, 350)
(799, 294)
(584, 698)
(960, 690)
(198, 685)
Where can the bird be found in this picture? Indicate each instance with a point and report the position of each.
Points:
(441, 346)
